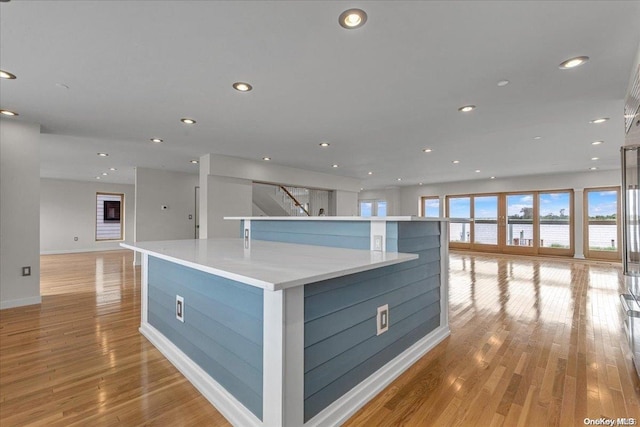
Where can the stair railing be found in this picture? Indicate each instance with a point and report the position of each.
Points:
(295, 201)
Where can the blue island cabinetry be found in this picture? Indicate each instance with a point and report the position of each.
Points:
(280, 327)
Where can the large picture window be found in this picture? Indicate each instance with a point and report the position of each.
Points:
(109, 216)
(602, 235)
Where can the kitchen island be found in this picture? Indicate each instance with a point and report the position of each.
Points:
(278, 331)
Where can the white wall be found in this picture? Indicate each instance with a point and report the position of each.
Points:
(176, 190)
(68, 210)
(19, 213)
(227, 197)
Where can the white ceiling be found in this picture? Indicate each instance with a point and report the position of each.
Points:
(378, 94)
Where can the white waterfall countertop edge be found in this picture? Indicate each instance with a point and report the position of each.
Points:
(268, 265)
(335, 218)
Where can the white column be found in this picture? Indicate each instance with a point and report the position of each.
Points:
(442, 209)
(283, 358)
(578, 222)
(144, 289)
(378, 228)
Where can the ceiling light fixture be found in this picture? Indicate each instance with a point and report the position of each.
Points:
(324, 144)
(477, 170)
(419, 183)
(104, 174)
(113, 169)
(266, 159)
(7, 75)
(369, 173)
(427, 150)
(188, 121)
(593, 168)
(352, 19)
(399, 179)
(195, 162)
(103, 154)
(598, 121)
(573, 62)
(334, 166)
(503, 83)
(537, 137)
(97, 177)
(467, 108)
(493, 177)
(156, 140)
(9, 113)
(595, 158)
(242, 87)
(597, 142)
(455, 162)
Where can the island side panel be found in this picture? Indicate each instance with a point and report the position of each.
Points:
(222, 330)
(341, 345)
(338, 234)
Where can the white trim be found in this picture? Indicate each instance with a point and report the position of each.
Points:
(444, 274)
(79, 251)
(334, 218)
(144, 289)
(229, 406)
(273, 364)
(343, 408)
(20, 302)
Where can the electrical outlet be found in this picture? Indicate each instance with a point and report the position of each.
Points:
(377, 243)
(26, 271)
(382, 319)
(190, 216)
(180, 308)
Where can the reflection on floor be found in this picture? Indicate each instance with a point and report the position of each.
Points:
(535, 342)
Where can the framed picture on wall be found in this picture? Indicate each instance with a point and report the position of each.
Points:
(112, 211)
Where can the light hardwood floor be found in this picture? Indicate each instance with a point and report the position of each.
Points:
(534, 342)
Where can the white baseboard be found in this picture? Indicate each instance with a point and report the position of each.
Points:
(342, 409)
(78, 251)
(234, 411)
(20, 302)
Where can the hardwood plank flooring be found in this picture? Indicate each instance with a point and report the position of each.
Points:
(534, 342)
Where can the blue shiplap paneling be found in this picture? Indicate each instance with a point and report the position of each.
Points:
(339, 234)
(223, 327)
(341, 346)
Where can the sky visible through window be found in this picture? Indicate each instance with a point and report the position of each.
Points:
(602, 203)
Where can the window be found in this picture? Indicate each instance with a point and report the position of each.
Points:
(485, 216)
(459, 210)
(431, 206)
(555, 219)
(602, 238)
(109, 216)
(373, 208)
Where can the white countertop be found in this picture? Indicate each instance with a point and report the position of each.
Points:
(335, 218)
(269, 265)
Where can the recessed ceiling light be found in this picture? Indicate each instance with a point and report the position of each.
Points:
(102, 154)
(324, 144)
(352, 19)
(573, 62)
(537, 137)
(104, 174)
(597, 142)
(266, 159)
(455, 162)
(493, 177)
(7, 75)
(188, 121)
(593, 168)
(595, 158)
(156, 140)
(600, 120)
(195, 162)
(97, 177)
(369, 173)
(113, 169)
(503, 83)
(427, 150)
(467, 108)
(419, 183)
(477, 170)
(242, 87)
(8, 113)
(334, 166)
(399, 179)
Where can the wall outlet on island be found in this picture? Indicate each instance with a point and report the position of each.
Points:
(180, 308)
(377, 243)
(382, 319)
